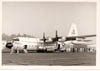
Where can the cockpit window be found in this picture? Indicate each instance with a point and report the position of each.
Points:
(16, 39)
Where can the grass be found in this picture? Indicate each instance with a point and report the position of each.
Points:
(61, 59)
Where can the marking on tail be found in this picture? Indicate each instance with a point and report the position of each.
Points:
(73, 30)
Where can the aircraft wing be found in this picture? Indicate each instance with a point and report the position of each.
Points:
(56, 39)
(81, 36)
(52, 39)
(70, 38)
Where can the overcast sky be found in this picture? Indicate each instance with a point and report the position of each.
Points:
(34, 18)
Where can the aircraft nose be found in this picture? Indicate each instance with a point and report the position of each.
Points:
(9, 45)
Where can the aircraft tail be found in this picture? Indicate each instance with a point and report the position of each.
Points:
(73, 30)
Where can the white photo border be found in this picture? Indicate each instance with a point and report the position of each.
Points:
(33, 67)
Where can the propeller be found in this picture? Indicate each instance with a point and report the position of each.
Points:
(55, 39)
(57, 36)
(44, 38)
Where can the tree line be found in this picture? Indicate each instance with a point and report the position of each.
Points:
(10, 37)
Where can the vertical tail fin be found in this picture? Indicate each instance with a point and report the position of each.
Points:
(73, 30)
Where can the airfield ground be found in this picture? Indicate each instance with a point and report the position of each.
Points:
(62, 59)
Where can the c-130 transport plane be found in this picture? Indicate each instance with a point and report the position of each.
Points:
(48, 44)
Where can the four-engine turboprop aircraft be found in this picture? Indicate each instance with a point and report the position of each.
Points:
(24, 43)
(55, 43)
(72, 37)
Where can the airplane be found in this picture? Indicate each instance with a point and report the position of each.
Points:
(72, 38)
(45, 44)
(23, 44)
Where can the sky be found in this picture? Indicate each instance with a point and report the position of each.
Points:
(34, 18)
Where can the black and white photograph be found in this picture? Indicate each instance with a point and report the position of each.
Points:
(48, 33)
